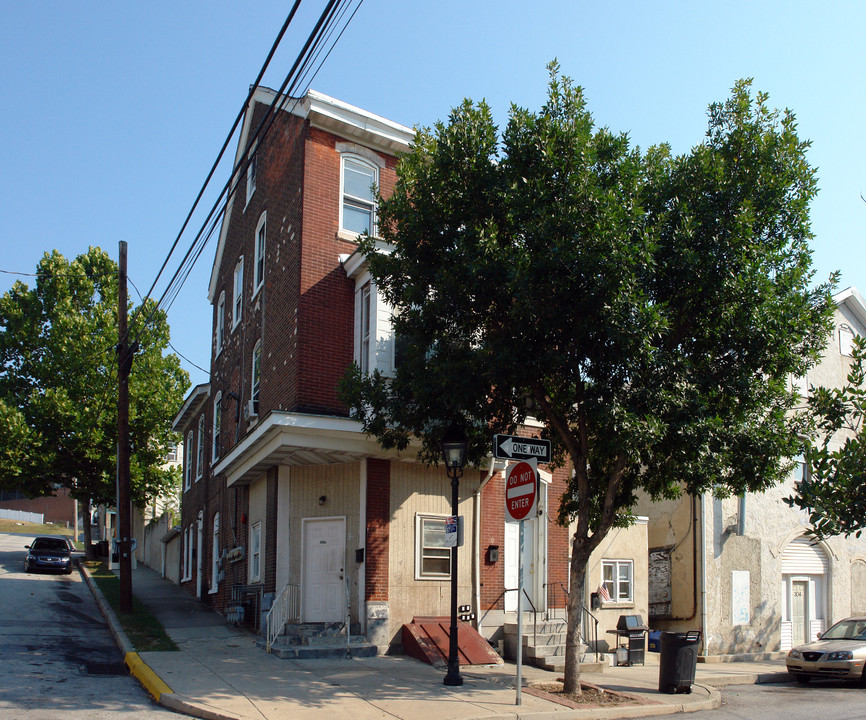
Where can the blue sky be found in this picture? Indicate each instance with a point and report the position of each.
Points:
(114, 112)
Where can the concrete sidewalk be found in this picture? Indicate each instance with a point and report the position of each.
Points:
(219, 673)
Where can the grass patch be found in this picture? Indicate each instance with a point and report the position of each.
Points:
(18, 526)
(143, 630)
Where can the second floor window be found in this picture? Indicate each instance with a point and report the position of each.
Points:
(220, 323)
(259, 266)
(366, 329)
(187, 465)
(251, 176)
(257, 378)
(359, 202)
(217, 425)
(238, 289)
(200, 448)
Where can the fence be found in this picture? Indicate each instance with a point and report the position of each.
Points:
(22, 516)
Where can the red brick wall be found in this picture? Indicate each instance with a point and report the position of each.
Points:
(378, 519)
(493, 533)
(58, 508)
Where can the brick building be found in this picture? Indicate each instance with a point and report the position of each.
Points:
(282, 491)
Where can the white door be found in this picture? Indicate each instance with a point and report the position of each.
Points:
(800, 611)
(512, 545)
(324, 590)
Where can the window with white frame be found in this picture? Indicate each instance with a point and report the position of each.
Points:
(617, 579)
(238, 289)
(187, 464)
(256, 378)
(251, 175)
(217, 426)
(846, 340)
(366, 329)
(255, 552)
(199, 467)
(358, 209)
(432, 557)
(259, 265)
(221, 323)
(188, 553)
(215, 554)
(171, 455)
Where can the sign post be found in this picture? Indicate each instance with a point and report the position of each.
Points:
(521, 499)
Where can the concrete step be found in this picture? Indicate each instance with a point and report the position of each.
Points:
(324, 648)
(542, 627)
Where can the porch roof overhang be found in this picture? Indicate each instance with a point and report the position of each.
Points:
(192, 405)
(285, 438)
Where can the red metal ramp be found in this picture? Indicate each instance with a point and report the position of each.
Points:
(428, 638)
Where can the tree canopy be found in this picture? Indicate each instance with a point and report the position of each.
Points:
(833, 491)
(58, 385)
(646, 308)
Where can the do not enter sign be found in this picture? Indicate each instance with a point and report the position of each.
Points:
(520, 491)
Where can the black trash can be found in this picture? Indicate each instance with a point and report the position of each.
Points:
(678, 660)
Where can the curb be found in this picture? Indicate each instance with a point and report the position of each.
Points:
(139, 669)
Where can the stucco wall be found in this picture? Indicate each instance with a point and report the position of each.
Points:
(620, 544)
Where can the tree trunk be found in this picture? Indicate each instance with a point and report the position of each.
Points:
(89, 548)
(576, 595)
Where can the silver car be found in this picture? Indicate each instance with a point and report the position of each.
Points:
(839, 653)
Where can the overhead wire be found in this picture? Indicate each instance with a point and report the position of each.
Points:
(281, 98)
(224, 147)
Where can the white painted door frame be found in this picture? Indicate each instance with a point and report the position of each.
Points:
(323, 569)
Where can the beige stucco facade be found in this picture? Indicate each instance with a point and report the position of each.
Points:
(622, 545)
(742, 569)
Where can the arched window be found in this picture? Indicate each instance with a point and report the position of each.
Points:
(217, 425)
(187, 465)
(200, 449)
(215, 554)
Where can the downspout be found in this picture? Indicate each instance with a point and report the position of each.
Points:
(476, 539)
(703, 546)
(741, 515)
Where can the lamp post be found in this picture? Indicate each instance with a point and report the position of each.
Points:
(454, 451)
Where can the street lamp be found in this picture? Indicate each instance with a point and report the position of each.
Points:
(454, 451)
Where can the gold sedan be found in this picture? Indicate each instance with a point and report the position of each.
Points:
(839, 653)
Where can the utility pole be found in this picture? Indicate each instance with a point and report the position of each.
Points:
(124, 363)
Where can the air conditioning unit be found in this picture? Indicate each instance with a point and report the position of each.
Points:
(251, 409)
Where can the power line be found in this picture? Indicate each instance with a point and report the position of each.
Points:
(226, 143)
(281, 99)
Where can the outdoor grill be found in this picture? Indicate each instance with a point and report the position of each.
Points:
(631, 633)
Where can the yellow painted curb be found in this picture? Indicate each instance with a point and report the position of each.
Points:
(147, 677)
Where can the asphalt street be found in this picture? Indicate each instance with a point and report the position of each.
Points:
(57, 658)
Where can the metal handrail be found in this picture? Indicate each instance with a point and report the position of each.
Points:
(585, 615)
(286, 607)
(534, 611)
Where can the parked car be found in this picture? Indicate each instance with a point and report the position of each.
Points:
(839, 653)
(49, 552)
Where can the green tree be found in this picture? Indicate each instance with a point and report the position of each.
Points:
(833, 492)
(58, 386)
(647, 309)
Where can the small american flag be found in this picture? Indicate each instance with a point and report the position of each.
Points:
(603, 593)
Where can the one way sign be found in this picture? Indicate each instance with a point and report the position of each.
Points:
(512, 447)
